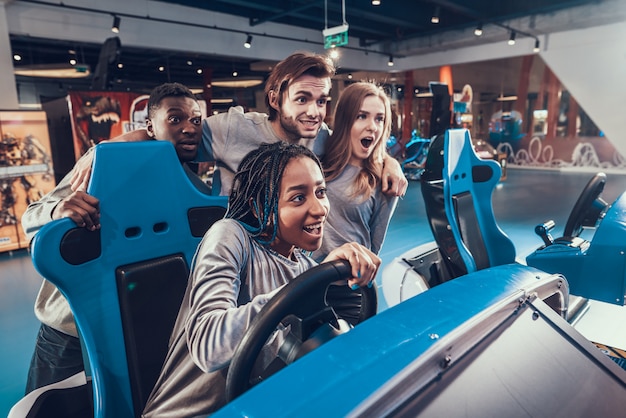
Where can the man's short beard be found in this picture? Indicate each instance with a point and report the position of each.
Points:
(291, 129)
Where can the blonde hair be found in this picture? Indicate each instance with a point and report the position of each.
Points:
(338, 148)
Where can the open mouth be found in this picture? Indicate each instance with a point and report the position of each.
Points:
(366, 142)
(313, 229)
(188, 146)
(310, 123)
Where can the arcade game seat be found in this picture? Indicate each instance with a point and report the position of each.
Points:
(131, 274)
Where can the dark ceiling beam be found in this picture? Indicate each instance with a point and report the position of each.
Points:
(288, 12)
(512, 12)
(353, 26)
(458, 8)
(474, 17)
(273, 14)
(378, 17)
(255, 5)
(197, 25)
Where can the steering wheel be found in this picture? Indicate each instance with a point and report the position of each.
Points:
(301, 304)
(588, 207)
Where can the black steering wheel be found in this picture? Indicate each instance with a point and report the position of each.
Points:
(588, 207)
(302, 305)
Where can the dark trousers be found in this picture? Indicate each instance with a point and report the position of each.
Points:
(57, 356)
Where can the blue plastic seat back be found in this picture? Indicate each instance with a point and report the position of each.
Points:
(468, 187)
(460, 209)
(124, 281)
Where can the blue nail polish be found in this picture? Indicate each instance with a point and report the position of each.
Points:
(359, 274)
(354, 286)
(370, 284)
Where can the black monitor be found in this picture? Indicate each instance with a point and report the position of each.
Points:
(440, 117)
(438, 89)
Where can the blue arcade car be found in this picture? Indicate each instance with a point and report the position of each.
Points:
(470, 331)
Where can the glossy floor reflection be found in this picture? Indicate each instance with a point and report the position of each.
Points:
(525, 199)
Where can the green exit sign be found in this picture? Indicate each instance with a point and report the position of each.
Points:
(336, 36)
(332, 41)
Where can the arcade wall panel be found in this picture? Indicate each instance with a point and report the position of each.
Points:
(100, 115)
(26, 171)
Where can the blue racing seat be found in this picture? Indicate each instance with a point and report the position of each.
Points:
(127, 279)
(457, 187)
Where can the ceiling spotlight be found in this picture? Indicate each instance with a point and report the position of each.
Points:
(120, 65)
(390, 62)
(72, 60)
(17, 57)
(435, 18)
(350, 76)
(334, 53)
(235, 73)
(199, 71)
(375, 2)
(116, 24)
(479, 30)
(536, 48)
(512, 38)
(189, 62)
(248, 42)
(161, 68)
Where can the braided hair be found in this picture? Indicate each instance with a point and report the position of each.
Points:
(254, 197)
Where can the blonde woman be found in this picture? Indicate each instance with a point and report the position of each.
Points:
(353, 165)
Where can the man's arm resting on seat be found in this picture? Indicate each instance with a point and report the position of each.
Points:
(394, 182)
(61, 202)
(82, 170)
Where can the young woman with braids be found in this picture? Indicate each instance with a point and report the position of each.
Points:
(277, 210)
(353, 162)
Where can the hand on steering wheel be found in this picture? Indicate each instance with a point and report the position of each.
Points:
(303, 301)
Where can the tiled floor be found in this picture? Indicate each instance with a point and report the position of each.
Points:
(525, 199)
(19, 284)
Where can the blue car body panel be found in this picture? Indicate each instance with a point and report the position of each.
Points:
(336, 378)
(597, 270)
